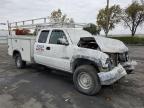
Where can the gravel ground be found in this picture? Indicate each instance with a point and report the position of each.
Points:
(36, 87)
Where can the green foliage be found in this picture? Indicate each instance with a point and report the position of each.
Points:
(58, 17)
(131, 40)
(93, 29)
(133, 16)
(113, 18)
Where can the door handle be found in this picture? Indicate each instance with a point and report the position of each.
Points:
(47, 48)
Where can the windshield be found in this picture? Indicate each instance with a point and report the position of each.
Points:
(76, 34)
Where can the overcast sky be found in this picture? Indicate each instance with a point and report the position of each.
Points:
(83, 11)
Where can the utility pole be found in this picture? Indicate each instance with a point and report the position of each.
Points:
(107, 19)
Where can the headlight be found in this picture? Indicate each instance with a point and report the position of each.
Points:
(127, 56)
(106, 66)
(123, 57)
(114, 59)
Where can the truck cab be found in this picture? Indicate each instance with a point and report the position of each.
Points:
(55, 46)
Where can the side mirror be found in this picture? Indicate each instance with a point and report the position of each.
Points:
(62, 41)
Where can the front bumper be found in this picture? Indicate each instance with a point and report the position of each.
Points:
(129, 66)
(108, 78)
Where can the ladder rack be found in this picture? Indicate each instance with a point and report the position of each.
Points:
(42, 23)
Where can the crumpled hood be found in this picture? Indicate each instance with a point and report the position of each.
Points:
(110, 45)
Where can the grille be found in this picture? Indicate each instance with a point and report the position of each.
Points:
(123, 57)
(114, 59)
(117, 58)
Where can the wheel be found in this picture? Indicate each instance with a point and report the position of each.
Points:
(86, 80)
(19, 62)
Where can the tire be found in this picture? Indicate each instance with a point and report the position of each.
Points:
(19, 62)
(90, 85)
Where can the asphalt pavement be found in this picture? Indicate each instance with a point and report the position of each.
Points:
(39, 87)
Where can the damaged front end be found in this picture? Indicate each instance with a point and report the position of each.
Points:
(109, 77)
(117, 65)
(123, 59)
(117, 52)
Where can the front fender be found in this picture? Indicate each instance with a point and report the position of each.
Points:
(95, 56)
(93, 60)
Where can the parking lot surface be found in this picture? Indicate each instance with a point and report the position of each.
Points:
(38, 87)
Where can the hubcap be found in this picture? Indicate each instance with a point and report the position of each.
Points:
(84, 80)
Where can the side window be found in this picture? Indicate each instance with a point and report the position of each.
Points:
(55, 35)
(43, 36)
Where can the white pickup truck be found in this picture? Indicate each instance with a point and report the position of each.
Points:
(93, 60)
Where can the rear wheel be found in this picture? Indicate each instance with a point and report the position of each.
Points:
(19, 62)
(86, 80)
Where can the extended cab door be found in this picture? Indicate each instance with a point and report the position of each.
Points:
(40, 48)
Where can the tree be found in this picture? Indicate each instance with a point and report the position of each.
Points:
(133, 16)
(93, 29)
(58, 17)
(113, 18)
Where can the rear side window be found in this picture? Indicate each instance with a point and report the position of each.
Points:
(43, 36)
